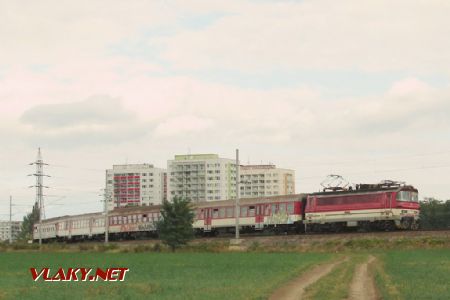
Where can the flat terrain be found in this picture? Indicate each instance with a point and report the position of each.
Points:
(345, 266)
(156, 275)
(418, 274)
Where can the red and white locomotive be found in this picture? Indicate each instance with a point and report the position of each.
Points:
(387, 206)
(384, 206)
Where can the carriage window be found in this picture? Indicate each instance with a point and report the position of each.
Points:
(215, 213)
(244, 211)
(290, 208)
(267, 210)
(251, 211)
(274, 209)
(282, 208)
(229, 212)
(222, 212)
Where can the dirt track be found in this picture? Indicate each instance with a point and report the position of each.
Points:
(363, 285)
(295, 289)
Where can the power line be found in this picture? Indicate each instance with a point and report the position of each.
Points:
(349, 162)
(380, 171)
(39, 189)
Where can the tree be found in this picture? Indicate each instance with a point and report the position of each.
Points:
(435, 214)
(175, 228)
(26, 232)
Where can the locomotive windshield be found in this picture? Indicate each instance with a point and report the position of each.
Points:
(408, 196)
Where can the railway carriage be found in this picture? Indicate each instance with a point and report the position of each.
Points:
(278, 212)
(134, 222)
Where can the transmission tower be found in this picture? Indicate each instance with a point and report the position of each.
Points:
(39, 189)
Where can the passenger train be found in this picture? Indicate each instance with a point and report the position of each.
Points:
(386, 206)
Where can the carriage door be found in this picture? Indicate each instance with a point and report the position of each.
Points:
(259, 217)
(70, 229)
(207, 217)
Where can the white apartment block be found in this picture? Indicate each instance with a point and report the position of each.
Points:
(135, 184)
(202, 177)
(16, 226)
(265, 180)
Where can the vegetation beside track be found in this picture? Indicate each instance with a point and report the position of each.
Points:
(347, 242)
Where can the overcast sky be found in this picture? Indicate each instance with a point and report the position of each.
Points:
(357, 88)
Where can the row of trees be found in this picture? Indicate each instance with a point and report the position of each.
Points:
(434, 214)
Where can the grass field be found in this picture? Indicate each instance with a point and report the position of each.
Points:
(415, 274)
(156, 275)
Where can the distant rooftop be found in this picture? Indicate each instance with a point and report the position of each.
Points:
(196, 156)
(132, 166)
(250, 167)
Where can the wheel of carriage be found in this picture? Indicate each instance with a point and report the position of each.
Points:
(389, 225)
(337, 227)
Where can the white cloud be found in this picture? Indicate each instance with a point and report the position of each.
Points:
(327, 35)
(95, 121)
(182, 125)
(56, 55)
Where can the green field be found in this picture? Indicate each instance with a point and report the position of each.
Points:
(402, 274)
(156, 275)
(415, 274)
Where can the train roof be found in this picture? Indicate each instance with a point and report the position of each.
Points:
(242, 201)
(72, 216)
(368, 188)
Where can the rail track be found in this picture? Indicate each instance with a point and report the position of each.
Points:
(391, 235)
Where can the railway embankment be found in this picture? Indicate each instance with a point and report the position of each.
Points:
(341, 242)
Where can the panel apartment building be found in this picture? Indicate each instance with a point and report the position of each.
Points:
(135, 184)
(5, 230)
(202, 177)
(265, 180)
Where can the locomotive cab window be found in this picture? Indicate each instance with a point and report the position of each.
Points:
(407, 196)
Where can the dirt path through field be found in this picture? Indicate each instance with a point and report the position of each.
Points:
(363, 285)
(295, 289)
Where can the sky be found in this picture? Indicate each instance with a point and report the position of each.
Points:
(356, 88)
